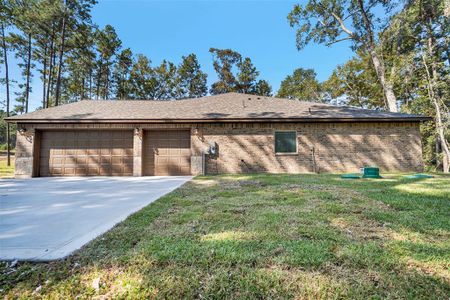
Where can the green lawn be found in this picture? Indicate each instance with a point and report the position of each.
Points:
(264, 236)
(5, 171)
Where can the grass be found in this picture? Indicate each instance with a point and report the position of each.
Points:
(264, 236)
(6, 171)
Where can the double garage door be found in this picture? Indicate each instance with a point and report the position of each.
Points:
(110, 153)
(86, 153)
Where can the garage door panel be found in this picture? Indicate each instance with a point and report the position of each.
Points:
(68, 171)
(86, 153)
(167, 152)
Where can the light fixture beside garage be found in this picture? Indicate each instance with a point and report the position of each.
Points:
(27, 134)
(196, 131)
(138, 132)
(22, 130)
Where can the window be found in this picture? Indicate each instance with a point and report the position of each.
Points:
(286, 142)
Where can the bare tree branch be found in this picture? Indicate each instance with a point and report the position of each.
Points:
(339, 40)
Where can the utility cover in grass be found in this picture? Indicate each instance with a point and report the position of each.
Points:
(418, 176)
(350, 176)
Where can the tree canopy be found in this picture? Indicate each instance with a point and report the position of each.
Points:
(301, 85)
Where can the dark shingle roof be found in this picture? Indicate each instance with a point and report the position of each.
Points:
(225, 107)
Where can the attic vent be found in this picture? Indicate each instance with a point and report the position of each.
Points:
(310, 112)
(249, 98)
(258, 98)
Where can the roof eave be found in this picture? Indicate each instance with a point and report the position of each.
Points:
(225, 120)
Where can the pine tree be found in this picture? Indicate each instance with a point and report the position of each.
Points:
(301, 85)
(108, 43)
(191, 81)
(121, 75)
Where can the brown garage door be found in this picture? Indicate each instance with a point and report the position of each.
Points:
(167, 152)
(86, 153)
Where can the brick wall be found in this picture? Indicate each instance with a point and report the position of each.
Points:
(322, 147)
(249, 147)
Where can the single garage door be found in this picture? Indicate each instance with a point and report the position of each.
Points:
(167, 152)
(86, 153)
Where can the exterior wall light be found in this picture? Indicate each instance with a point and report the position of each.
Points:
(22, 130)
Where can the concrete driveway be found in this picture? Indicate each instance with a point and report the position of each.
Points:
(49, 218)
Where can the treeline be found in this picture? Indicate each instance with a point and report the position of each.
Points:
(75, 60)
(56, 42)
(401, 62)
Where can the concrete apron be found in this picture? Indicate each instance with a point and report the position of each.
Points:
(43, 219)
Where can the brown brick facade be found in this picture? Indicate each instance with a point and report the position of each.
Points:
(249, 147)
(322, 147)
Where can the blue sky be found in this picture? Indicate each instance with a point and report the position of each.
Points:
(169, 29)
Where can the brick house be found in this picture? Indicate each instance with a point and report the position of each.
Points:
(229, 133)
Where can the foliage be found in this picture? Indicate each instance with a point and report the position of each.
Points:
(414, 47)
(191, 80)
(3, 129)
(355, 83)
(121, 74)
(263, 88)
(236, 74)
(77, 60)
(331, 21)
(301, 85)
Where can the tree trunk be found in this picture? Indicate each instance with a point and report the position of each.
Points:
(90, 84)
(27, 86)
(440, 127)
(99, 79)
(8, 133)
(60, 65)
(50, 68)
(83, 82)
(44, 76)
(388, 90)
(378, 62)
(106, 94)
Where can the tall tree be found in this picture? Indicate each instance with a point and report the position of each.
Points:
(108, 43)
(4, 17)
(141, 79)
(191, 81)
(354, 83)
(430, 55)
(301, 85)
(164, 81)
(24, 17)
(247, 76)
(263, 88)
(72, 14)
(80, 63)
(224, 63)
(332, 21)
(64, 15)
(121, 74)
(235, 74)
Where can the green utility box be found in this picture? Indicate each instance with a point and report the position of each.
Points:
(371, 172)
(350, 176)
